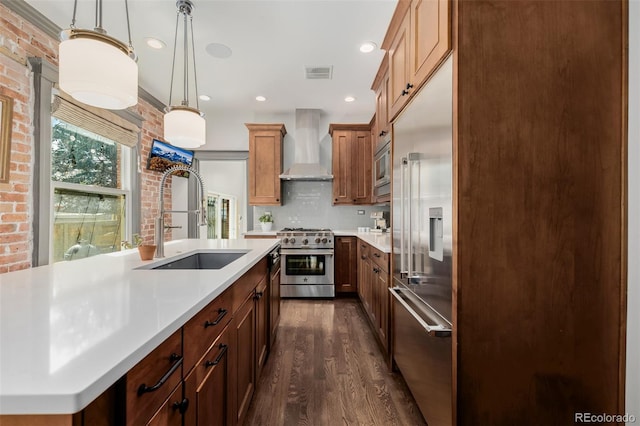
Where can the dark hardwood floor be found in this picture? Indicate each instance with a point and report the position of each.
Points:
(326, 369)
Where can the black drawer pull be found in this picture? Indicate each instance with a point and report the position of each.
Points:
(177, 363)
(223, 349)
(221, 313)
(181, 405)
(258, 295)
(376, 254)
(376, 270)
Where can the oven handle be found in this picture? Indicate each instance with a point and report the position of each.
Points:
(307, 251)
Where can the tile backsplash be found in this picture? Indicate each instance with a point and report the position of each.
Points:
(307, 204)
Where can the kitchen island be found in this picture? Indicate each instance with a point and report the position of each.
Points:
(70, 330)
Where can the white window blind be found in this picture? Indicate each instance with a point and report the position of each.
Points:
(100, 121)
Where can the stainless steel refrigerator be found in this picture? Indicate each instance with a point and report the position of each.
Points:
(422, 246)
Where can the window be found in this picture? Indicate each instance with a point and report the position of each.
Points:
(222, 217)
(91, 192)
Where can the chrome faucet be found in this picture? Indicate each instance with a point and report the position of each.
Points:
(202, 212)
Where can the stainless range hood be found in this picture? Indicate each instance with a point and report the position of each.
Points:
(306, 164)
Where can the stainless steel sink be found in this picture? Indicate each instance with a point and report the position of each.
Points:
(205, 260)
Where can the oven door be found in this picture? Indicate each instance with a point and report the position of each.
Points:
(306, 267)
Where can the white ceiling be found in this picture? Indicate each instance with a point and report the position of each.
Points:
(272, 42)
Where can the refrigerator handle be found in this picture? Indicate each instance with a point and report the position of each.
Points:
(436, 330)
(412, 157)
(403, 183)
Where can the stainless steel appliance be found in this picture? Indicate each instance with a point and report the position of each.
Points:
(382, 167)
(307, 262)
(422, 246)
(380, 221)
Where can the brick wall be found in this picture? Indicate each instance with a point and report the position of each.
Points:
(19, 40)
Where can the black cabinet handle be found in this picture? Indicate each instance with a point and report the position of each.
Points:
(277, 199)
(221, 313)
(382, 133)
(409, 86)
(336, 199)
(181, 405)
(258, 295)
(177, 363)
(376, 270)
(376, 254)
(223, 349)
(404, 93)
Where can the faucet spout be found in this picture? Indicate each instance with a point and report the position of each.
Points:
(202, 212)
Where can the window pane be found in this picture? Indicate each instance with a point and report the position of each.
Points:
(80, 156)
(86, 224)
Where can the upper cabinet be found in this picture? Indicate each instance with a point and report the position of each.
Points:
(420, 34)
(381, 87)
(265, 163)
(352, 161)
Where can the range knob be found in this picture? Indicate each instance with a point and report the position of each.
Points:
(305, 241)
(285, 240)
(292, 240)
(324, 240)
(317, 240)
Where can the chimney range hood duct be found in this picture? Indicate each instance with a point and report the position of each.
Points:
(306, 165)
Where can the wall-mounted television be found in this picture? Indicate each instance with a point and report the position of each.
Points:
(164, 155)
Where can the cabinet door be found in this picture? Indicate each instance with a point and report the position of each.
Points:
(342, 167)
(431, 37)
(265, 163)
(206, 388)
(367, 291)
(345, 265)
(361, 167)
(262, 325)
(382, 110)
(362, 255)
(244, 355)
(399, 53)
(382, 286)
(274, 306)
(170, 413)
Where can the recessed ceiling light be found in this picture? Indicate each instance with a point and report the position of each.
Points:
(349, 99)
(218, 50)
(204, 97)
(155, 43)
(260, 98)
(368, 47)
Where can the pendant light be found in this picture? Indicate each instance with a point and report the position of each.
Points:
(184, 126)
(95, 68)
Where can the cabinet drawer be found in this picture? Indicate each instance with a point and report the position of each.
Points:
(201, 331)
(380, 258)
(152, 380)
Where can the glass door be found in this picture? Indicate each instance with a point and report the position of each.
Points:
(222, 216)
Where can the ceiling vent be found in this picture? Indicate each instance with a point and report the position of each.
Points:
(318, 73)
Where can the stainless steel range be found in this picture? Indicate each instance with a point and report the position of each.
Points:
(307, 262)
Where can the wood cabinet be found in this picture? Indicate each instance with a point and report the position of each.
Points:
(265, 163)
(373, 290)
(352, 160)
(153, 380)
(345, 273)
(170, 413)
(244, 365)
(261, 298)
(381, 88)
(419, 45)
(207, 386)
(274, 304)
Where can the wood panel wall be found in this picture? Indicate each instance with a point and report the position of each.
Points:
(539, 191)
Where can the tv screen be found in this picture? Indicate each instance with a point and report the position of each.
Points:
(164, 155)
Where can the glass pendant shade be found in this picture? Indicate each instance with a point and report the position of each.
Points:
(96, 71)
(184, 127)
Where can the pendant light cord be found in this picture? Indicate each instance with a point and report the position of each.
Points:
(185, 100)
(195, 74)
(73, 18)
(126, 8)
(173, 64)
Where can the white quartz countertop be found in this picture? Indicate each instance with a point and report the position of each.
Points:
(381, 241)
(68, 331)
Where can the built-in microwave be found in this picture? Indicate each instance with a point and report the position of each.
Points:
(382, 168)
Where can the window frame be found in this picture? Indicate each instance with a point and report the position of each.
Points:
(44, 77)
